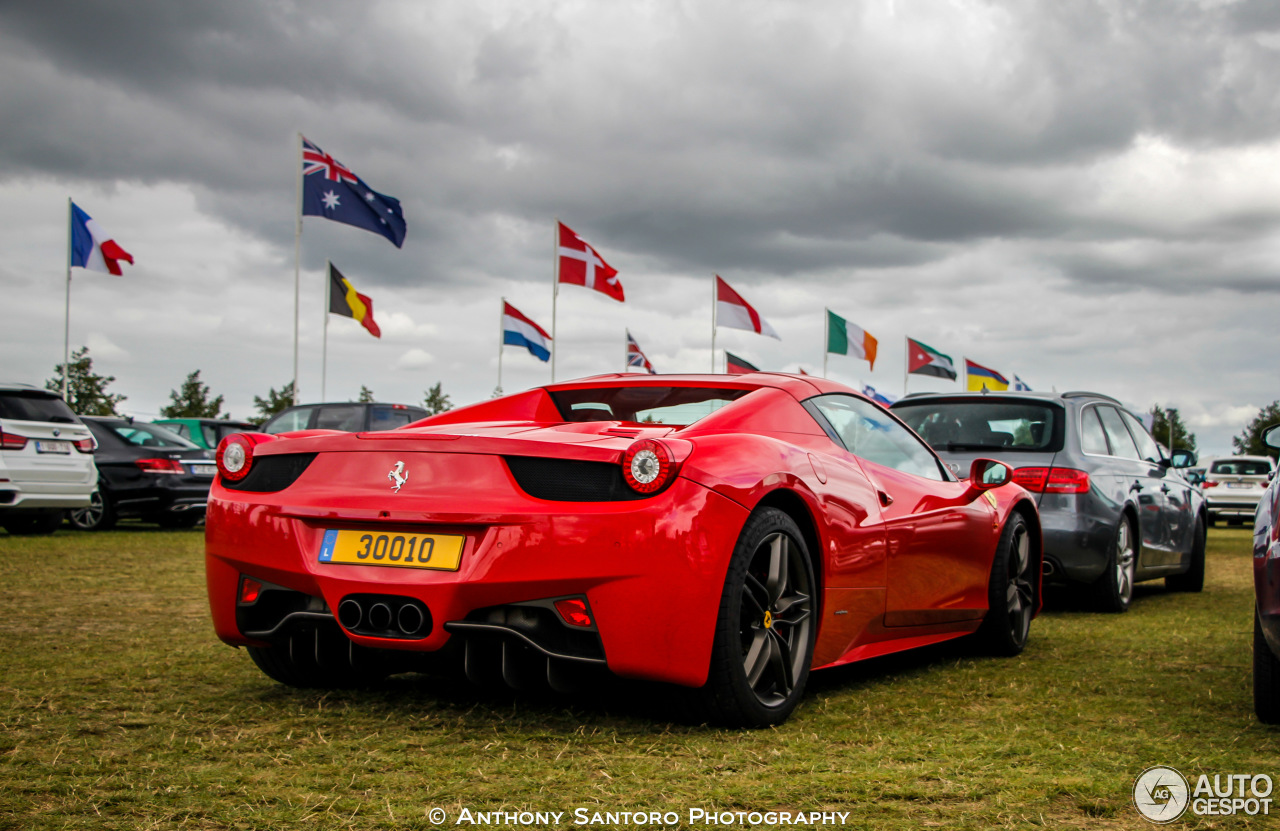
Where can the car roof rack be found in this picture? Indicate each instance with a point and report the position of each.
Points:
(1087, 394)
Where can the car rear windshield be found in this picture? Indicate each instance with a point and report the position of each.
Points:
(33, 405)
(1241, 467)
(1025, 426)
(391, 416)
(657, 405)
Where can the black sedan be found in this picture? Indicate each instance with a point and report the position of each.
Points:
(145, 471)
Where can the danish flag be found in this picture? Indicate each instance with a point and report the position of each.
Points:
(580, 265)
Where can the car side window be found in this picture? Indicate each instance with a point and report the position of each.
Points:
(1092, 439)
(210, 434)
(1121, 442)
(348, 417)
(290, 420)
(867, 431)
(1147, 447)
(180, 429)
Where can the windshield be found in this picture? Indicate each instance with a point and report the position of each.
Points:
(985, 425)
(654, 405)
(33, 405)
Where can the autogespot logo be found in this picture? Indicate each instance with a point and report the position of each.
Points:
(1161, 794)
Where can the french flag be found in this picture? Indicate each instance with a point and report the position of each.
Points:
(518, 330)
(92, 247)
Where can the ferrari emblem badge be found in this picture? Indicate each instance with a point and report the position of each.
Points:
(768, 619)
(398, 476)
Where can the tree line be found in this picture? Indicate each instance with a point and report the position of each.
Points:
(87, 394)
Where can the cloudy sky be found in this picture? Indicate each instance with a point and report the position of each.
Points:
(1086, 194)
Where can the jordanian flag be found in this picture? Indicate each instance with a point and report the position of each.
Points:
(346, 301)
(925, 360)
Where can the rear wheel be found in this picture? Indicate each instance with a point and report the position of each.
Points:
(1113, 590)
(98, 515)
(1266, 677)
(31, 523)
(1191, 580)
(765, 629)
(1011, 592)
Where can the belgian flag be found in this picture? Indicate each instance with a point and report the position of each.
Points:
(346, 301)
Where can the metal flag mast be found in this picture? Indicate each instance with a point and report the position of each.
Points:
(502, 337)
(324, 350)
(66, 329)
(906, 369)
(826, 339)
(555, 291)
(297, 272)
(715, 297)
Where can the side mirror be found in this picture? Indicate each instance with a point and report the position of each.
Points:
(1271, 436)
(985, 474)
(1184, 458)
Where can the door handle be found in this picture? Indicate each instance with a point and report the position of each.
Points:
(885, 499)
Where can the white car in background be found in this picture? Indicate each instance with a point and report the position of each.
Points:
(46, 460)
(1233, 485)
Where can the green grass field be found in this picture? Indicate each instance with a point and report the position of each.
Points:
(120, 709)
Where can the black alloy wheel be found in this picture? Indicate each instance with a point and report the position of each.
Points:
(1011, 591)
(1113, 590)
(766, 626)
(98, 515)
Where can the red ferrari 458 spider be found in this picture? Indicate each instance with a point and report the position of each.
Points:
(721, 533)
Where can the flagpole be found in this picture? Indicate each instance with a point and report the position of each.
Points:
(626, 350)
(826, 339)
(324, 350)
(965, 383)
(714, 298)
(297, 270)
(66, 329)
(502, 336)
(906, 368)
(555, 291)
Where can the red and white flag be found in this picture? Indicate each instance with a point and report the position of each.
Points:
(580, 265)
(736, 313)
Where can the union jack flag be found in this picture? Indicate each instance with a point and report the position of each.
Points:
(332, 190)
(636, 358)
(314, 160)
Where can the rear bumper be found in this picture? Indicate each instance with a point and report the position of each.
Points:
(1077, 542)
(162, 498)
(652, 575)
(21, 495)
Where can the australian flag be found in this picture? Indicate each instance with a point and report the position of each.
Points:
(332, 190)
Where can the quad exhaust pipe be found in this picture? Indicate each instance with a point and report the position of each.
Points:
(384, 616)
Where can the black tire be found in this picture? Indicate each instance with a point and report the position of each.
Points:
(1113, 590)
(100, 515)
(765, 628)
(1011, 592)
(1213, 520)
(1235, 521)
(1191, 580)
(312, 660)
(1266, 677)
(34, 523)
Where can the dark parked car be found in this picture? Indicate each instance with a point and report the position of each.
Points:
(353, 417)
(205, 432)
(1114, 508)
(145, 471)
(1266, 587)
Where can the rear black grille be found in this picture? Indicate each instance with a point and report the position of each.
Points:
(562, 480)
(271, 473)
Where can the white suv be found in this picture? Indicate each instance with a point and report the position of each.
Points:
(46, 460)
(1233, 485)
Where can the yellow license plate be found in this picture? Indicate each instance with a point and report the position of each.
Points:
(369, 548)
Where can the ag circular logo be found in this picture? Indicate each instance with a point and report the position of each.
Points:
(1161, 794)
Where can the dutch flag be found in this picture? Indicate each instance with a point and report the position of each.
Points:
(518, 330)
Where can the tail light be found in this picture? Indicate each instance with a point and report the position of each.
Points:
(1208, 484)
(1052, 479)
(160, 465)
(8, 441)
(648, 466)
(235, 454)
(574, 611)
(86, 445)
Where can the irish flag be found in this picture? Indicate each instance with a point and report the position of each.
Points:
(923, 359)
(845, 338)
